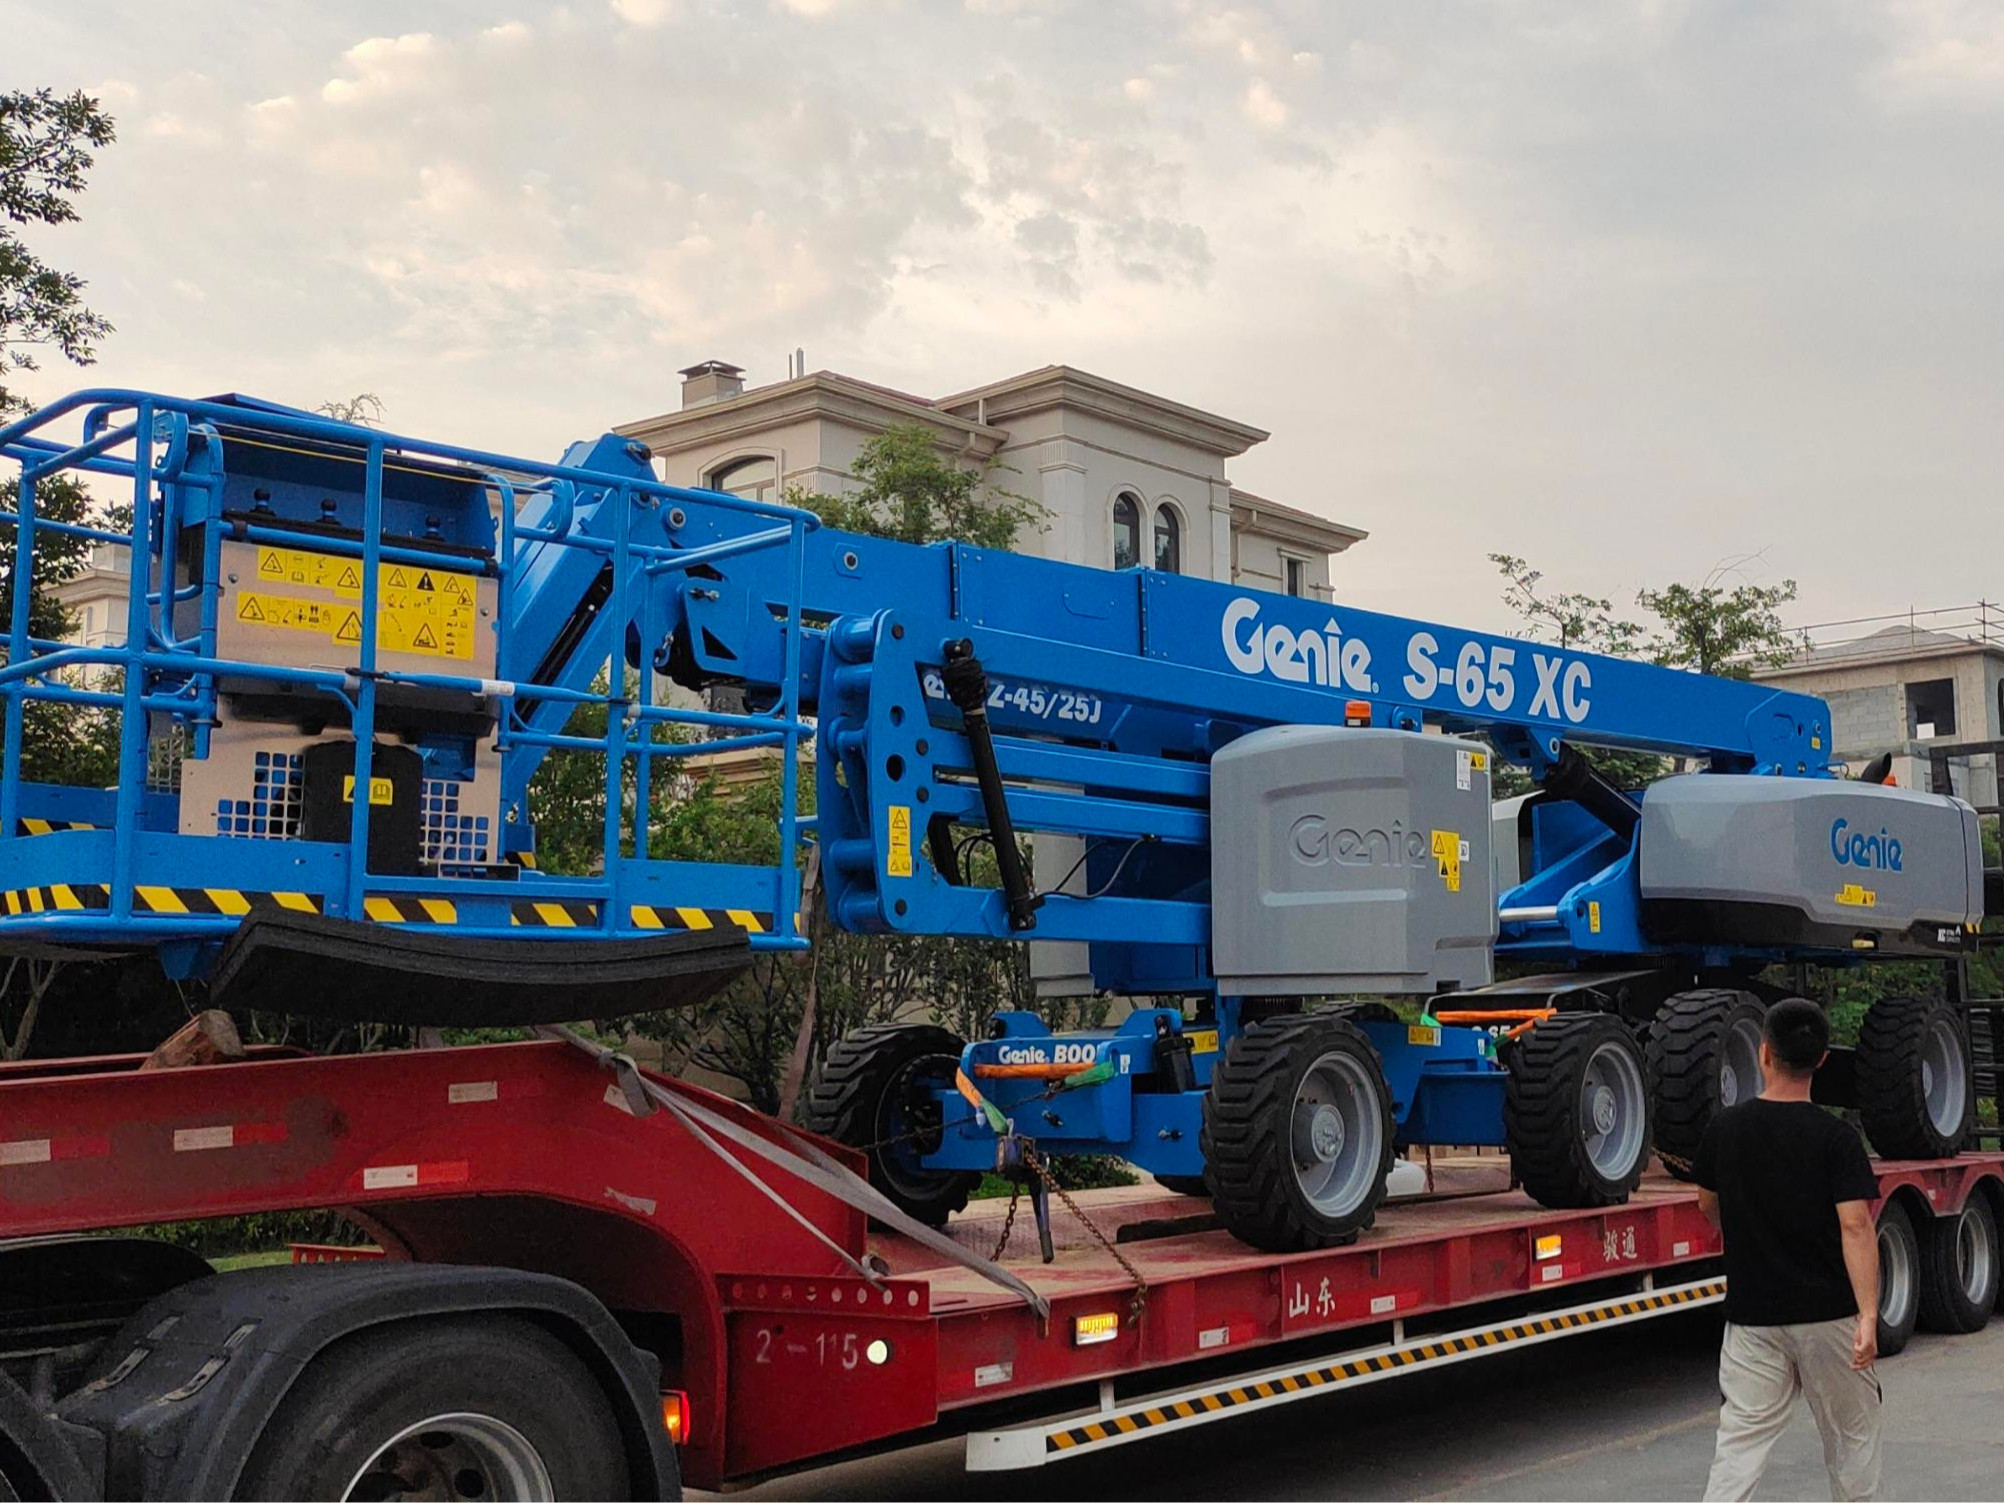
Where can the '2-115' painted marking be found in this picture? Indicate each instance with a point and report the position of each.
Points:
(827, 1349)
(1482, 674)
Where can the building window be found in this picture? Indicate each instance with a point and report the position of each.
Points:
(754, 479)
(1297, 577)
(1126, 530)
(1168, 540)
(1931, 709)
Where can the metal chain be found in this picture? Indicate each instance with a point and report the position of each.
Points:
(1008, 1221)
(1682, 1165)
(1036, 1163)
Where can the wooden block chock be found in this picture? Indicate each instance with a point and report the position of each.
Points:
(208, 1038)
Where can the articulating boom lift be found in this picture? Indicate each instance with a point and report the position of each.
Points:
(345, 653)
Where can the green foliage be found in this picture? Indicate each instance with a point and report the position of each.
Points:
(1083, 1171)
(908, 490)
(365, 408)
(46, 145)
(1711, 628)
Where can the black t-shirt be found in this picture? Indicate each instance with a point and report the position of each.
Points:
(1780, 1169)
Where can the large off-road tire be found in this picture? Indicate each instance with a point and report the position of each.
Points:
(872, 1092)
(1703, 1053)
(1576, 1111)
(1916, 1088)
(489, 1407)
(1298, 1134)
(1899, 1278)
(1959, 1269)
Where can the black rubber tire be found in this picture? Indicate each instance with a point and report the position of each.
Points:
(848, 1102)
(1544, 1111)
(1183, 1184)
(1892, 1103)
(1897, 1240)
(1685, 1051)
(1247, 1135)
(1945, 1305)
(360, 1393)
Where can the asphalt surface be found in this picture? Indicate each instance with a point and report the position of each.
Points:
(1620, 1414)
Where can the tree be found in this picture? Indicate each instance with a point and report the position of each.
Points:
(365, 408)
(1711, 628)
(907, 489)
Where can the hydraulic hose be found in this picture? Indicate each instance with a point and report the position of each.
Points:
(967, 687)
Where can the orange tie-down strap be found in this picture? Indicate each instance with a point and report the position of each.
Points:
(1523, 1017)
(1032, 1072)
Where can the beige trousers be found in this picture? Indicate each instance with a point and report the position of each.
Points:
(1761, 1369)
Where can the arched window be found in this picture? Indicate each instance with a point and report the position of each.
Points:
(1168, 540)
(755, 479)
(1126, 530)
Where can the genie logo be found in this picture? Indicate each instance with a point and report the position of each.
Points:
(1316, 844)
(1880, 852)
(1323, 658)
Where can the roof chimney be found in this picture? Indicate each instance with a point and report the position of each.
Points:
(711, 381)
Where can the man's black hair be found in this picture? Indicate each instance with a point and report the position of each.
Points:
(1798, 1032)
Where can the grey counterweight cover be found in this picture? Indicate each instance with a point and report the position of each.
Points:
(1808, 861)
(1350, 860)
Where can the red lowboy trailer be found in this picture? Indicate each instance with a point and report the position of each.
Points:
(713, 1288)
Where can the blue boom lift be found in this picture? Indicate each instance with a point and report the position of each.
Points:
(344, 654)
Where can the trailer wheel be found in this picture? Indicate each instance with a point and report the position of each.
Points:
(1298, 1134)
(1703, 1054)
(873, 1092)
(1915, 1091)
(1899, 1278)
(493, 1408)
(1576, 1111)
(1958, 1269)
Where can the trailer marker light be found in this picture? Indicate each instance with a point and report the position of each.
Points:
(675, 1416)
(1089, 1330)
(1548, 1246)
(877, 1353)
(1357, 712)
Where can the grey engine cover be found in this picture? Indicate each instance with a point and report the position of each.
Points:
(1808, 861)
(1324, 873)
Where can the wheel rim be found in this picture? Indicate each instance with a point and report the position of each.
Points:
(1896, 1277)
(1944, 1077)
(907, 1133)
(453, 1456)
(1338, 1134)
(1739, 1068)
(1975, 1254)
(1613, 1112)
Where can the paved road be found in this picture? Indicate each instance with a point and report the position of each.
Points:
(1619, 1414)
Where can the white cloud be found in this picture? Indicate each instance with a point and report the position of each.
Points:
(1262, 106)
(1138, 89)
(381, 65)
(646, 13)
(508, 32)
(809, 7)
(1946, 50)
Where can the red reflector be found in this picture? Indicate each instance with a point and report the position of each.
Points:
(675, 1415)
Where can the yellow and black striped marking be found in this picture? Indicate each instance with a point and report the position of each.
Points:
(205, 902)
(752, 922)
(547, 913)
(26, 826)
(405, 909)
(1419, 1354)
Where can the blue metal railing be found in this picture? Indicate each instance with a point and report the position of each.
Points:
(168, 450)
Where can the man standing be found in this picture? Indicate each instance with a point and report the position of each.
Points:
(1791, 1188)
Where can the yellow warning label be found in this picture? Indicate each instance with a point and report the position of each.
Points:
(1447, 851)
(379, 790)
(1202, 1040)
(898, 863)
(428, 611)
(1851, 895)
(1593, 918)
(1479, 761)
(1421, 1036)
(283, 610)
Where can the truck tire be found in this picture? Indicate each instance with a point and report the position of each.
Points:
(1297, 1134)
(1576, 1111)
(493, 1407)
(1958, 1269)
(1916, 1093)
(1899, 1278)
(1703, 1053)
(869, 1094)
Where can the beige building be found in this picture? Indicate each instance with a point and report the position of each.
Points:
(1902, 686)
(96, 600)
(1127, 477)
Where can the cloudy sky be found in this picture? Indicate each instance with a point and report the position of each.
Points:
(1627, 288)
